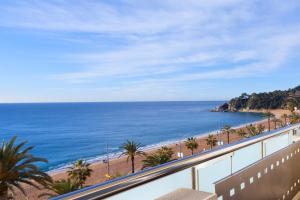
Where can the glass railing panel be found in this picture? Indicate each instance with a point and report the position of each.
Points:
(276, 143)
(298, 131)
(246, 156)
(157, 188)
(209, 172)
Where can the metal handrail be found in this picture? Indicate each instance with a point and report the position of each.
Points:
(112, 187)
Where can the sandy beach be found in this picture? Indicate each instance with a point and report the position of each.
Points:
(121, 166)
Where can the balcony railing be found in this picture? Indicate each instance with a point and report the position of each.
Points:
(202, 172)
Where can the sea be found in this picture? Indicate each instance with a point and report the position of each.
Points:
(66, 132)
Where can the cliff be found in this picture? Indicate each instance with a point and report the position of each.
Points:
(278, 99)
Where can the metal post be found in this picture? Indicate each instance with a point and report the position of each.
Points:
(262, 149)
(180, 150)
(231, 164)
(193, 178)
(107, 157)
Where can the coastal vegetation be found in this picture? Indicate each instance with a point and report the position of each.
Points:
(191, 144)
(211, 141)
(18, 168)
(251, 130)
(269, 115)
(278, 99)
(228, 130)
(60, 187)
(131, 150)
(161, 156)
(294, 118)
(277, 122)
(77, 175)
(79, 172)
(285, 117)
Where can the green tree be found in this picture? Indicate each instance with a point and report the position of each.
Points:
(260, 128)
(79, 172)
(161, 156)
(241, 132)
(267, 100)
(291, 106)
(269, 115)
(228, 130)
(191, 144)
(18, 168)
(251, 130)
(60, 187)
(168, 152)
(294, 118)
(131, 150)
(211, 141)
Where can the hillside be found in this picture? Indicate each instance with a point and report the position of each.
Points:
(278, 99)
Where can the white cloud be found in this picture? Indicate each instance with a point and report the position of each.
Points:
(167, 41)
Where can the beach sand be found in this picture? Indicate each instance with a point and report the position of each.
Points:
(121, 166)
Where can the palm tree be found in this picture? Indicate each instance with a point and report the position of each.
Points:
(166, 151)
(79, 172)
(285, 116)
(60, 187)
(211, 141)
(132, 149)
(269, 115)
(227, 129)
(18, 167)
(241, 132)
(294, 118)
(275, 121)
(191, 144)
(260, 128)
(252, 131)
(161, 156)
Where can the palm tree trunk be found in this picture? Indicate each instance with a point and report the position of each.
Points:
(192, 151)
(4, 194)
(132, 164)
(285, 121)
(275, 124)
(228, 138)
(269, 124)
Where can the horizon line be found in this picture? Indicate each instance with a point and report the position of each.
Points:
(143, 101)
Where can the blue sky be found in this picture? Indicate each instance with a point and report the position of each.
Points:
(143, 50)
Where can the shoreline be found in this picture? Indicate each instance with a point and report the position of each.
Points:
(147, 148)
(120, 166)
(171, 142)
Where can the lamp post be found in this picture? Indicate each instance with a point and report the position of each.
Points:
(107, 158)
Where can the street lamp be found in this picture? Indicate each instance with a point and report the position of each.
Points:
(106, 161)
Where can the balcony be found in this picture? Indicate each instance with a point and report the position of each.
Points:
(266, 166)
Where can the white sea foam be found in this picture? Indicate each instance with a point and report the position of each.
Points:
(116, 155)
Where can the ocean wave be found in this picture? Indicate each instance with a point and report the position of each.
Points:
(115, 155)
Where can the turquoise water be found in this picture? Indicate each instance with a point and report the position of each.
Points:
(64, 132)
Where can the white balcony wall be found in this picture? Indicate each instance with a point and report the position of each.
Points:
(157, 188)
(209, 172)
